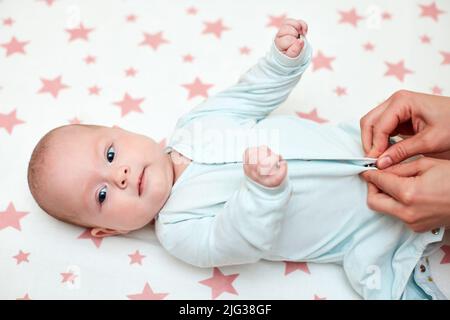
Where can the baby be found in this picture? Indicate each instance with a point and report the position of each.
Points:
(221, 194)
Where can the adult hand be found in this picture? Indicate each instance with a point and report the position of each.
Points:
(417, 192)
(423, 118)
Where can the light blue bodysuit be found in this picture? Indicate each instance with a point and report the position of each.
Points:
(217, 216)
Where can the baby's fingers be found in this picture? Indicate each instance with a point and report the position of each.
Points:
(295, 49)
(285, 42)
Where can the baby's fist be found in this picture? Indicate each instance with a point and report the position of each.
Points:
(289, 38)
(264, 167)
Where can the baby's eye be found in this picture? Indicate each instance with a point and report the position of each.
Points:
(110, 154)
(102, 195)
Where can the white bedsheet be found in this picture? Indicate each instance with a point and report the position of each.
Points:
(50, 76)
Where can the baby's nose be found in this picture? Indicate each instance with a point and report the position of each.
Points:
(122, 175)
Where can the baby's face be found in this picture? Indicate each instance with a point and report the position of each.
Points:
(95, 174)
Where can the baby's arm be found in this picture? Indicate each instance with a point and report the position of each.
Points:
(247, 225)
(267, 84)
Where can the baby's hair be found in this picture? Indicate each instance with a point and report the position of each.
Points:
(37, 171)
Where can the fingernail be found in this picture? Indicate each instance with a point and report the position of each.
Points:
(384, 162)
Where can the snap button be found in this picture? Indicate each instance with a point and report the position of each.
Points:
(435, 231)
(422, 268)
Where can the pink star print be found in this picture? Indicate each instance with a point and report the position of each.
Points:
(90, 59)
(276, 21)
(79, 33)
(75, 121)
(197, 88)
(340, 91)
(68, 277)
(368, 46)
(431, 11)
(436, 90)
(21, 257)
(220, 283)
(94, 90)
(11, 217)
(293, 266)
(215, 28)
(316, 297)
(8, 22)
(131, 18)
(130, 72)
(136, 257)
(147, 294)
(320, 61)
(386, 16)
(86, 234)
(425, 39)
(350, 17)
(188, 58)
(397, 70)
(245, 50)
(191, 11)
(311, 116)
(446, 56)
(153, 40)
(446, 257)
(49, 2)
(52, 86)
(8, 121)
(25, 297)
(14, 46)
(128, 104)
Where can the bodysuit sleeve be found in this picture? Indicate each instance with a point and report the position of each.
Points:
(241, 232)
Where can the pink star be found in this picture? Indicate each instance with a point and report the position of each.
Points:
(368, 46)
(192, 11)
(147, 294)
(68, 277)
(25, 297)
(8, 121)
(311, 116)
(131, 18)
(21, 257)
(75, 121)
(245, 50)
(220, 283)
(197, 88)
(11, 217)
(136, 257)
(86, 234)
(340, 91)
(153, 40)
(436, 90)
(215, 28)
(130, 72)
(8, 21)
(94, 90)
(14, 46)
(276, 21)
(293, 266)
(386, 15)
(320, 61)
(49, 2)
(128, 104)
(188, 58)
(446, 56)
(446, 257)
(425, 39)
(431, 11)
(350, 17)
(397, 70)
(316, 297)
(79, 33)
(90, 59)
(52, 86)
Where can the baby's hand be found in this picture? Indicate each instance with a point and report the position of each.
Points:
(264, 167)
(288, 38)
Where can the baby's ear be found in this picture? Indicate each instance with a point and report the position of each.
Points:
(104, 232)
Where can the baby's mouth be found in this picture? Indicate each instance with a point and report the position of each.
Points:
(141, 182)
